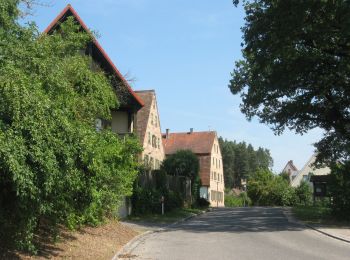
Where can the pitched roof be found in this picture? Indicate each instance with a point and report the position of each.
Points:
(291, 164)
(144, 113)
(197, 142)
(69, 11)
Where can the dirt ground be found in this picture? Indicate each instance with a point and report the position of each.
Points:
(88, 243)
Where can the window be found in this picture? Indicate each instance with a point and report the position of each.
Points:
(219, 164)
(155, 120)
(145, 159)
(158, 143)
(151, 162)
(154, 141)
(151, 119)
(305, 177)
(213, 161)
(98, 123)
(214, 175)
(149, 138)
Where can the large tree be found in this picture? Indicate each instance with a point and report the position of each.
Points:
(54, 166)
(295, 69)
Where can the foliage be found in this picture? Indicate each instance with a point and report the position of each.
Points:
(304, 193)
(339, 189)
(295, 69)
(241, 160)
(313, 214)
(54, 165)
(266, 189)
(182, 163)
(203, 203)
(237, 201)
(285, 176)
(148, 201)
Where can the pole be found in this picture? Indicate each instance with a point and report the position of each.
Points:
(162, 201)
(217, 194)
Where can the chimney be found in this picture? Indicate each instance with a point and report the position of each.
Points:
(167, 133)
(191, 130)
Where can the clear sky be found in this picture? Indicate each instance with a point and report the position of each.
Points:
(185, 50)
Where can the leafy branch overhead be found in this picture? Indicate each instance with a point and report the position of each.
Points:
(295, 69)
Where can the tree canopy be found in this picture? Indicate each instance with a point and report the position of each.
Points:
(182, 163)
(54, 165)
(241, 161)
(295, 69)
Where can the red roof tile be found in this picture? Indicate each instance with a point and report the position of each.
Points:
(197, 142)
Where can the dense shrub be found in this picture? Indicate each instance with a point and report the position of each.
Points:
(148, 201)
(203, 203)
(266, 189)
(304, 193)
(54, 166)
(339, 190)
(237, 201)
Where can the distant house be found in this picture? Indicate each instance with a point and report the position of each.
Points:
(206, 146)
(149, 131)
(309, 170)
(123, 118)
(291, 170)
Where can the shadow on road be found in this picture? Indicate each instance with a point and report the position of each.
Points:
(239, 220)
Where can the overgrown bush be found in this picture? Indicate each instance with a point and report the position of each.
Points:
(339, 190)
(148, 200)
(266, 189)
(304, 193)
(202, 203)
(237, 201)
(54, 166)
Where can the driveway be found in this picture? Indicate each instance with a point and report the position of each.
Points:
(239, 233)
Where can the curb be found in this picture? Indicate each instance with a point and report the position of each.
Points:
(289, 215)
(327, 234)
(133, 243)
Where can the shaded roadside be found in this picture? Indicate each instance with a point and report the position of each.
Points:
(320, 221)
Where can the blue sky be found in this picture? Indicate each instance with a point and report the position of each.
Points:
(185, 50)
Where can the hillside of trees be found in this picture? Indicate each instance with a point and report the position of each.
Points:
(241, 160)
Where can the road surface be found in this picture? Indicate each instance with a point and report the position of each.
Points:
(239, 233)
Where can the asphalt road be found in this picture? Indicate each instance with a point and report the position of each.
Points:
(240, 233)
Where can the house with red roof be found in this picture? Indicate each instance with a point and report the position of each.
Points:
(206, 146)
(149, 131)
(123, 118)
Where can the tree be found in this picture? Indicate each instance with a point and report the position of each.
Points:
(182, 163)
(266, 189)
(339, 190)
(228, 161)
(241, 161)
(304, 193)
(295, 69)
(54, 166)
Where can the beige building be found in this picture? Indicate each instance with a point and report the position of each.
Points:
(206, 146)
(149, 131)
(308, 170)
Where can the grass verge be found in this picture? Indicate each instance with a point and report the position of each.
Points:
(318, 215)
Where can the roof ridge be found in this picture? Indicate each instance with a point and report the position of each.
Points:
(94, 40)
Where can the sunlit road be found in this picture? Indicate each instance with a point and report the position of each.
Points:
(240, 233)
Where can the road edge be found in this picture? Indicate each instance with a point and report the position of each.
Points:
(133, 243)
(287, 211)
